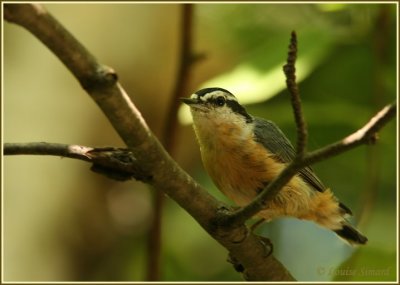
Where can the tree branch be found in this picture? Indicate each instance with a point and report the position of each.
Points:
(165, 175)
(366, 135)
(42, 148)
(115, 163)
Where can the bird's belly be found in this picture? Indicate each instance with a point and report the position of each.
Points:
(241, 174)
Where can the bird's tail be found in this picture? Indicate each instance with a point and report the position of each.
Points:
(351, 235)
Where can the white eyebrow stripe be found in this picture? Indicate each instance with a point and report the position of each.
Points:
(214, 94)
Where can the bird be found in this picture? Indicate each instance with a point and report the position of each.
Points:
(243, 153)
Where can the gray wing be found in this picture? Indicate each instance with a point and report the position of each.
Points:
(272, 138)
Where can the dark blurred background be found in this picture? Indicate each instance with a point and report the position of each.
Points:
(62, 222)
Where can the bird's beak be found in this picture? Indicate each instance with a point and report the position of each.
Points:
(189, 101)
(195, 104)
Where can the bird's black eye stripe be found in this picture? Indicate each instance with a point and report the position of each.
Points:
(239, 109)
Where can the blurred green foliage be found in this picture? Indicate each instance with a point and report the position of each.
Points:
(346, 70)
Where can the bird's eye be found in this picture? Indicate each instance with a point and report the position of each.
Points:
(220, 101)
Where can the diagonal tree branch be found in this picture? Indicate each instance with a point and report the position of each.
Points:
(366, 135)
(164, 174)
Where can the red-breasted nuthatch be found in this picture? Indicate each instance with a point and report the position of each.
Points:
(242, 154)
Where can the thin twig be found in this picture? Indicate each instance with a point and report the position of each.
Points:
(42, 148)
(366, 135)
(169, 135)
(115, 163)
(186, 59)
(290, 71)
